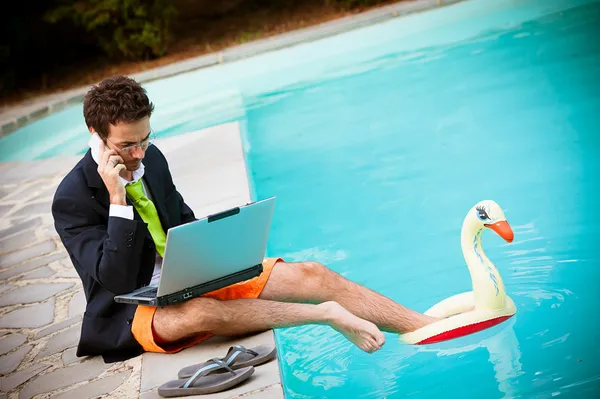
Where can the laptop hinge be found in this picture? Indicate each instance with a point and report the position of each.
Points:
(223, 215)
(192, 292)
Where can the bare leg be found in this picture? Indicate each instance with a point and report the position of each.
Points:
(243, 316)
(314, 283)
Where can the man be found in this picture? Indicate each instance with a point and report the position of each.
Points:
(112, 211)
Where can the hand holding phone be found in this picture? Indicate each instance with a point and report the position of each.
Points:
(110, 166)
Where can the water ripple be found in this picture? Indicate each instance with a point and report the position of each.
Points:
(540, 295)
(559, 340)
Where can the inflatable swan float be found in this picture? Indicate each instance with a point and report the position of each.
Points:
(487, 305)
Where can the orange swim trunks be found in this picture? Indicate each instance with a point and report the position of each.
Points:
(141, 327)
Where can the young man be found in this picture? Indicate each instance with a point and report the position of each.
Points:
(112, 211)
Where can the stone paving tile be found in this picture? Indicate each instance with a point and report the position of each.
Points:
(28, 192)
(70, 356)
(31, 265)
(10, 362)
(14, 380)
(29, 317)
(63, 377)
(154, 395)
(47, 193)
(61, 341)
(5, 209)
(31, 252)
(96, 388)
(33, 293)
(17, 241)
(26, 225)
(4, 166)
(77, 304)
(58, 326)
(42, 272)
(4, 191)
(6, 287)
(10, 342)
(49, 232)
(17, 191)
(39, 169)
(69, 272)
(272, 392)
(35, 208)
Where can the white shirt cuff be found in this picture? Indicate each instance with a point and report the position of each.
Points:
(121, 211)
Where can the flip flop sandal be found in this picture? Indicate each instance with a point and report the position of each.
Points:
(215, 376)
(237, 357)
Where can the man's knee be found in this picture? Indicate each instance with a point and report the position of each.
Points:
(198, 315)
(312, 269)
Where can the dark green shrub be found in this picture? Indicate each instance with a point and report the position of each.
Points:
(132, 29)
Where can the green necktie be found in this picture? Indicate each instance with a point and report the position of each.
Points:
(148, 212)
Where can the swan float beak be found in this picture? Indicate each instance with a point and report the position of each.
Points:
(502, 228)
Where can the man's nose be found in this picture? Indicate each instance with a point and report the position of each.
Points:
(138, 153)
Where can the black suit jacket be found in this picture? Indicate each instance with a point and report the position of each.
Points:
(112, 255)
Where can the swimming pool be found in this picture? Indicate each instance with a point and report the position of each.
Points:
(375, 169)
(377, 142)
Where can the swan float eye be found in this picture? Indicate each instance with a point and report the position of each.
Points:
(482, 213)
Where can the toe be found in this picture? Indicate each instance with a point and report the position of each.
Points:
(374, 343)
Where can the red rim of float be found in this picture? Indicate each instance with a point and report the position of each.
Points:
(465, 330)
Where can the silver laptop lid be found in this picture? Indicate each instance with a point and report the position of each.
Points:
(216, 246)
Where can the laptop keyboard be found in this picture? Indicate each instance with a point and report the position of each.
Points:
(151, 293)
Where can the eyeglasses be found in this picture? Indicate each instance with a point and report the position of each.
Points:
(144, 144)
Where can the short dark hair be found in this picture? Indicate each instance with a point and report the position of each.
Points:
(113, 100)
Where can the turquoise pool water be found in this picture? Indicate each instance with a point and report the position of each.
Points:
(377, 142)
(375, 170)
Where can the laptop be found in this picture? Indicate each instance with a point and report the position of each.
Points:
(208, 254)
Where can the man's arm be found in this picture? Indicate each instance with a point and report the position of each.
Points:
(110, 253)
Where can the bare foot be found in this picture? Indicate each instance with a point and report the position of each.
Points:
(360, 332)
